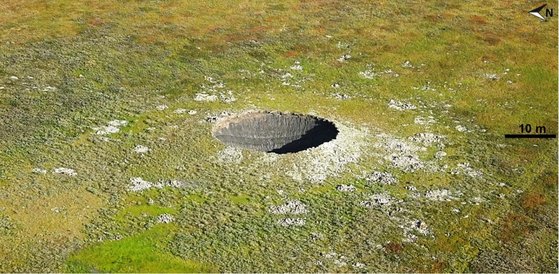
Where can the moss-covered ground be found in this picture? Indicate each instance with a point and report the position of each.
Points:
(423, 92)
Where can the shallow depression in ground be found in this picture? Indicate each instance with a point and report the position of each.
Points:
(275, 132)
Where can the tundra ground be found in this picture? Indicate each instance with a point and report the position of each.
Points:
(107, 162)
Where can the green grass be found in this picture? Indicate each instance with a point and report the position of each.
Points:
(139, 253)
(241, 199)
(146, 209)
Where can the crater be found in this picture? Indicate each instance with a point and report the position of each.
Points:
(274, 131)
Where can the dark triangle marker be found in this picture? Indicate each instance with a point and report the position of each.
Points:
(537, 10)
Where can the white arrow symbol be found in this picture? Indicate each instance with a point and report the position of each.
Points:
(536, 12)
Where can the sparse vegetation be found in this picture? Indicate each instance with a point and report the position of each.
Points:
(422, 93)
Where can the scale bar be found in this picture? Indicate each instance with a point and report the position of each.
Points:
(544, 136)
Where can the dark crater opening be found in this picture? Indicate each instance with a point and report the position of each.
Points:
(275, 132)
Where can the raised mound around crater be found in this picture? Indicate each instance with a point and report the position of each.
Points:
(275, 132)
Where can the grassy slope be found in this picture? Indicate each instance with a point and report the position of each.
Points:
(138, 253)
(131, 53)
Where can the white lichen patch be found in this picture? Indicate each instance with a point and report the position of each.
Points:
(384, 178)
(344, 58)
(58, 209)
(331, 158)
(406, 163)
(107, 130)
(407, 64)
(358, 265)
(165, 218)
(401, 154)
(269, 158)
(161, 107)
(141, 149)
(287, 222)
(287, 79)
(394, 144)
(368, 74)
(230, 155)
(427, 139)
(378, 200)
(293, 207)
(112, 127)
(413, 228)
(286, 76)
(466, 169)
(461, 128)
(477, 200)
(491, 76)
(440, 154)
(38, 170)
(49, 89)
(227, 96)
(118, 123)
(170, 183)
(342, 45)
(139, 184)
(180, 111)
(341, 96)
(331, 259)
(296, 66)
(439, 195)
(345, 188)
(425, 87)
(390, 72)
(401, 106)
(65, 171)
(426, 121)
(214, 91)
(204, 97)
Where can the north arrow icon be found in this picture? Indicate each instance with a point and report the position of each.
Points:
(536, 12)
